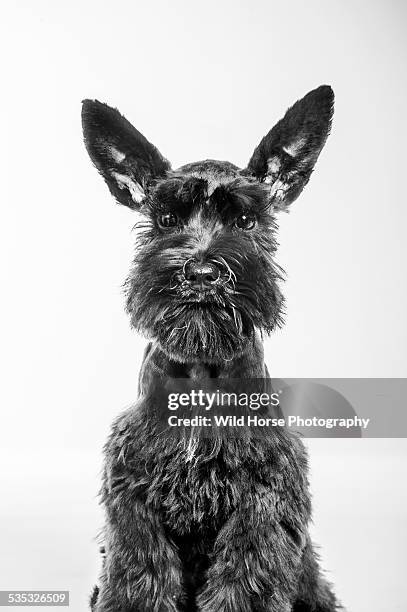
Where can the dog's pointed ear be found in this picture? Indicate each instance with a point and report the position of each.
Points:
(123, 156)
(286, 156)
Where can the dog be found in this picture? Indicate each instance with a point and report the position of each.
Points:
(208, 524)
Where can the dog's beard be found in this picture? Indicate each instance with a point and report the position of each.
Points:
(202, 331)
(198, 328)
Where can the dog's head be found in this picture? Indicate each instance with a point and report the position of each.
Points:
(204, 276)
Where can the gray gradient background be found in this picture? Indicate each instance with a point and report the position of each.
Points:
(199, 80)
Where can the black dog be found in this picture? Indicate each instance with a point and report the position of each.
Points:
(219, 525)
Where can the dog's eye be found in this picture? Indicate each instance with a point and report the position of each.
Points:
(168, 220)
(246, 221)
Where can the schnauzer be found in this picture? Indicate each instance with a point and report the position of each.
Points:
(222, 525)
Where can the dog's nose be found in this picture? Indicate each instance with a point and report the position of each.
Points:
(201, 275)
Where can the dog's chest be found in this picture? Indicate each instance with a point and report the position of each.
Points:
(194, 492)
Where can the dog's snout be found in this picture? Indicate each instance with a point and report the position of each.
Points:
(201, 275)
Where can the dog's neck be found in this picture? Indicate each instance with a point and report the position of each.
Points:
(248, 364)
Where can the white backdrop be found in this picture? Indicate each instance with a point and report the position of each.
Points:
(199, 80)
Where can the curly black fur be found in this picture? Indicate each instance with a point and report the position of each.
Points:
(216, 524)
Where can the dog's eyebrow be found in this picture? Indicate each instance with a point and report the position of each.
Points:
(179, 193)
(240, 194)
